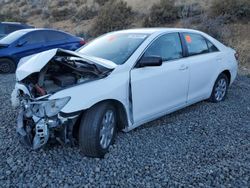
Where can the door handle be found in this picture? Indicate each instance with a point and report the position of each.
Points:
(183, 67)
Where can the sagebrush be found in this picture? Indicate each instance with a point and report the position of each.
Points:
(114, 15)
(233, 9)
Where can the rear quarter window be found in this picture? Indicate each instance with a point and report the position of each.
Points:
(211, 47)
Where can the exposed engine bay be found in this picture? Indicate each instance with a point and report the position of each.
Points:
(60, 73)
(39, 119)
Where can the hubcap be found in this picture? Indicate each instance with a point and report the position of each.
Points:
(4, 67)
(107, 129)
(220, 90)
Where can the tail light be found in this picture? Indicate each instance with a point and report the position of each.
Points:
(236, 55)
(82, 42)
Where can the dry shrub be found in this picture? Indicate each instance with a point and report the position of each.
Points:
(12, 15)
(35, 11)
(22, 3)
(45, 13)
(85, 13)
(161, 13)
(216, 27)
(233, 9)
(101, 2)
(241, 42)
(114, 15)
(62, 3)
(243, 49)
(63, 13)
(189, 10)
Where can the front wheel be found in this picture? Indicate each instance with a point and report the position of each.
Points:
(97, 130)
(220, 89)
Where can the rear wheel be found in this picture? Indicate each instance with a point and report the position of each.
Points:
(220, 89)
(97, 130)
(7, 66)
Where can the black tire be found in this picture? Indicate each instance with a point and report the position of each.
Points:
(7, 66)
(213, 98)
(90, 127)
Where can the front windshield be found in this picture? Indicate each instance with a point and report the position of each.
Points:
(116, 47)
(12, 37)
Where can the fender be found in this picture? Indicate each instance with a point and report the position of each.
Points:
(113, 87)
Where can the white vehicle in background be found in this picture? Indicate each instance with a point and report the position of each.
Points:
(119, 81)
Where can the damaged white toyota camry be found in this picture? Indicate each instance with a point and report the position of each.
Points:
(118, 81)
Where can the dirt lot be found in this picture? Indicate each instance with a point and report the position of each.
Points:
(205, 145)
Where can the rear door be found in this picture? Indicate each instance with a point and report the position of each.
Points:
(203, 64)
(155, 90)
(32, 43)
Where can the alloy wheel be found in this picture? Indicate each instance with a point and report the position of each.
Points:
(220, 89)
(107, 129)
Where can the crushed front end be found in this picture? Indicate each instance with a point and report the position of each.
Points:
(41, 118)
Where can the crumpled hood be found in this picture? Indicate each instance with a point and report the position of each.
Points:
(36, 62)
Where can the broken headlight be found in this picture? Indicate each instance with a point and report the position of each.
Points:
(48, 108)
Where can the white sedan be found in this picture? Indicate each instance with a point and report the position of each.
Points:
(118, 81)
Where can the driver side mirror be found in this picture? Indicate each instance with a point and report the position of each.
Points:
(21, 43)
(150, 61)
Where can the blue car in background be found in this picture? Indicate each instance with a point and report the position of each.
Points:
(27, 42)
(9, 27)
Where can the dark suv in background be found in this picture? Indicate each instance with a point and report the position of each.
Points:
(9, 27)
(27, 42)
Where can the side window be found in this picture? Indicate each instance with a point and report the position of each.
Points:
(211, 47)
(167, 46)
(196, 44)
(35, 37)
(53, 36)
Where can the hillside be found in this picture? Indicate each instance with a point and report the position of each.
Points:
(80, 17)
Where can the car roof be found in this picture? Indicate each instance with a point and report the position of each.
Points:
(39, 29)
(14, 23)
(42, 29)
(158, 30)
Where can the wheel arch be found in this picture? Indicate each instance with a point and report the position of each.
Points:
(10, 58)
(228, 75)
(121, 112)
(119, 106)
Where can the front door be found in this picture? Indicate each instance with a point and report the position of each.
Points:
(156, 90)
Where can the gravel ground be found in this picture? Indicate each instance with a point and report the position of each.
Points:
(205, 145)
